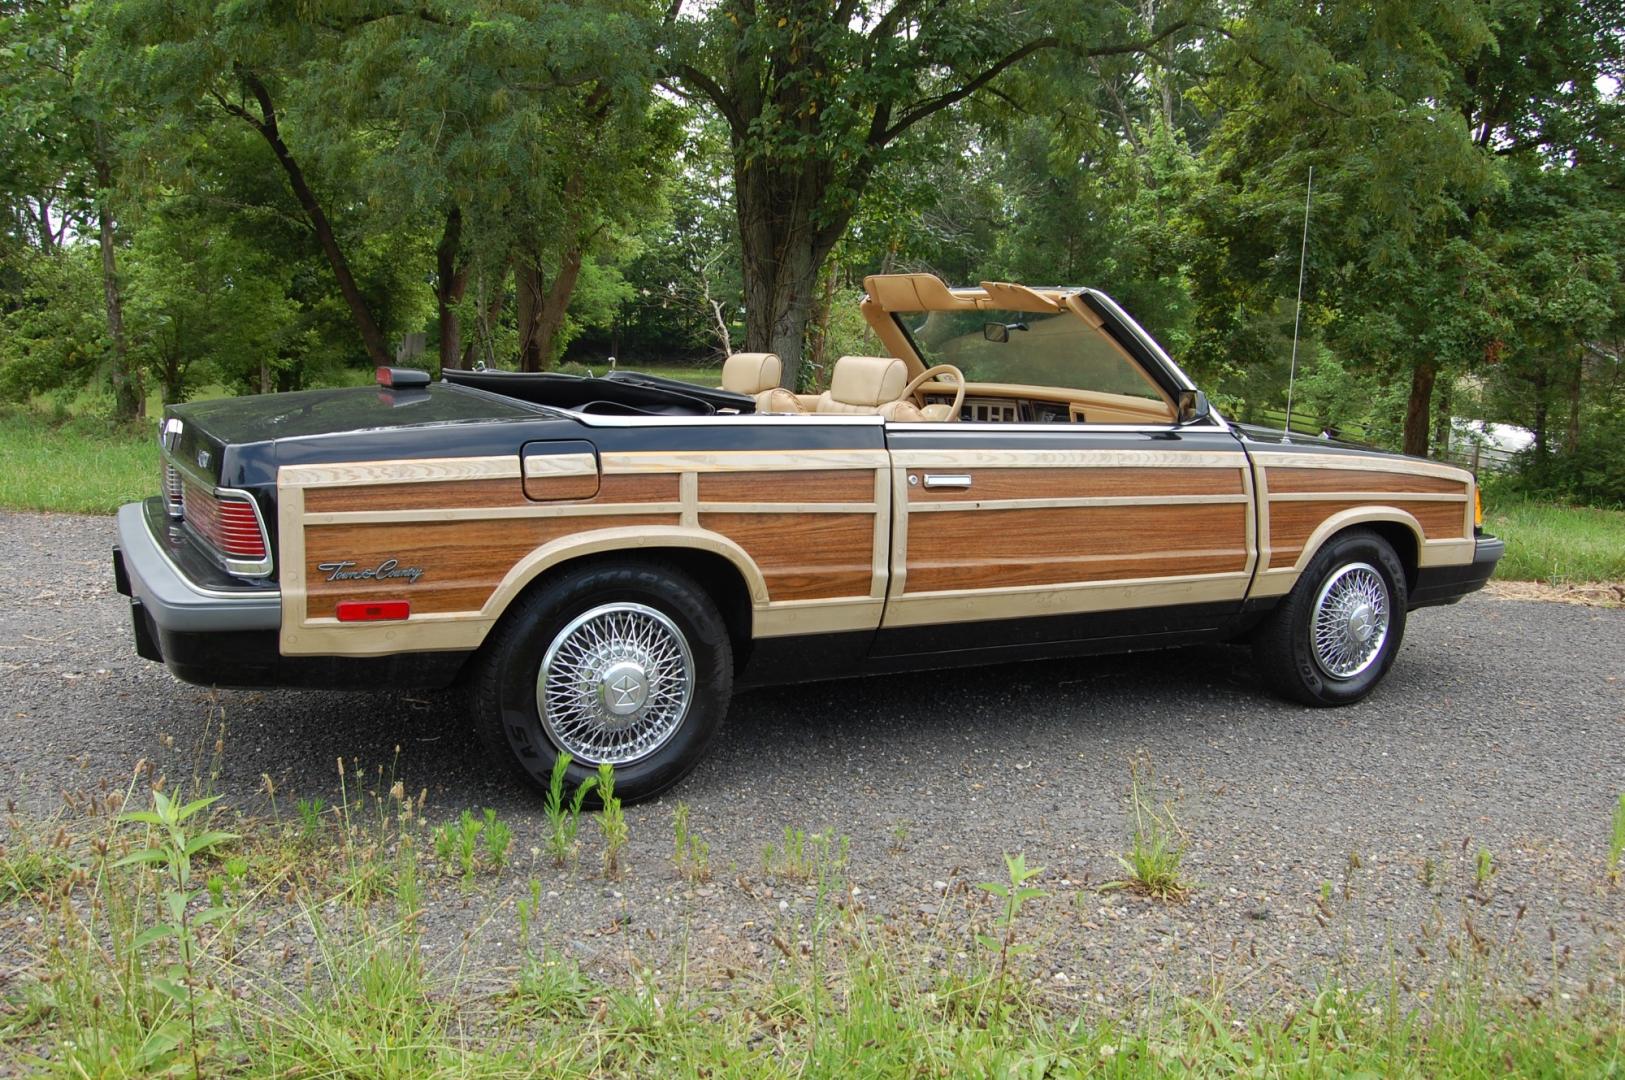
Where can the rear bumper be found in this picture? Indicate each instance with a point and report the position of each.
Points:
(147, 570)
(212, 633)
(1447, 584)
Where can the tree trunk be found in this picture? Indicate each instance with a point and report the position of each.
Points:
(451, 280)
(819, 360)
(1542, 412)
(1441, 416)
(129, 397)
(527, 283)
(490, 312)
(782, 253)
(550, 319)
(371, 337)
(1418, 408)
(1571, 435)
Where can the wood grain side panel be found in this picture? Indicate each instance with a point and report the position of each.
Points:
(815, 486)
(462, 561)
(805, 556)
(1286, 481)
(1083, 483)
(432, 495)
(569, 488)
(1002, 548)
(1292, 523)
(635, 488)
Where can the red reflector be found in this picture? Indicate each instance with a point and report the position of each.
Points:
(372, 610)
(385, 376)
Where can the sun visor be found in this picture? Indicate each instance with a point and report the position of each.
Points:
(915, 292)
(1018, 297)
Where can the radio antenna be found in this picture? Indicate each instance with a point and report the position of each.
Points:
(1297, 316)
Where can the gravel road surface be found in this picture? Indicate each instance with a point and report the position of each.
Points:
(1321, 842)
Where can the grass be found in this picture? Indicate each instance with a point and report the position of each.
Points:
(1559, 545)
(1156, 843)
(76, 465)
(165, 953)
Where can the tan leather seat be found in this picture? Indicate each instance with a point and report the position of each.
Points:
(868, 386)
(751, 373)
(758, 374)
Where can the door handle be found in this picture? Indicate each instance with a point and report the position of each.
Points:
(947, 480)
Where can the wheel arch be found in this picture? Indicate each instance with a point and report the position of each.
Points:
(1400, 529)
(721, 568)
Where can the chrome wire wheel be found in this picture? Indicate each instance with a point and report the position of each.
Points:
(1349, 622)
(615, 684)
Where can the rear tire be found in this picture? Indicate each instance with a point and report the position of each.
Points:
(1335, 635)
(624, 662)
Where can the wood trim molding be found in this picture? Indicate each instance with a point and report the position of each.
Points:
(972, 605)
(1272, 459)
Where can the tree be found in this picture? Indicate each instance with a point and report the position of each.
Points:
(63, 168)
(816, 95)
(1410, 117)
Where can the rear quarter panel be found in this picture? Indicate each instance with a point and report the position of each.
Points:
(798, 507)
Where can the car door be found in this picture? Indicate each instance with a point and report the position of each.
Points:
(1012, 536)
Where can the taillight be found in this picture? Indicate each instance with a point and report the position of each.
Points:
(229, 522)
(240, 535)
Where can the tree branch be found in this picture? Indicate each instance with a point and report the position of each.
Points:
(713, 90)
(943, 101)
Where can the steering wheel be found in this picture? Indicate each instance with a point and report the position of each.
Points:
(937, 412)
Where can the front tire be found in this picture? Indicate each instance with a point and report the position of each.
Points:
(626, 663)
(1335, 635)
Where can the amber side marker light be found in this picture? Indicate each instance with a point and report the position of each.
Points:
(372, 610)
(1478, 507)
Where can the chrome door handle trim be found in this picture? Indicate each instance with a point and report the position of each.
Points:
(947, 480)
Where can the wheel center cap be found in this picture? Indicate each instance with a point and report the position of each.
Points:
(623, 688)
(1361, 626)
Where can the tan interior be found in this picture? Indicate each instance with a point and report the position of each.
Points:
(752, 373)
(1084, 406)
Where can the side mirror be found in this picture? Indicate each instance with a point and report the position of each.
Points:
(996, 331)
(1193, 407)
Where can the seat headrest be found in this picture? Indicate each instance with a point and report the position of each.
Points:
(868, 380)
(751, 372)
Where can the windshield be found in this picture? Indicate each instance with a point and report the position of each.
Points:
(1042, 349)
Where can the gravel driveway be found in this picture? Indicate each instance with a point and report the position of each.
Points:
(1320, 841)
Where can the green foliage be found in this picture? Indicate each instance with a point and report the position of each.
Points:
(564, 818)
(498, 839)
(1616, 839)
(171, 940)
(1016, 894)
(819, 857)
(53, 329)
(611, 821)
(1559, 545)
(690, 854)
(73, 464)
(461, 847)
(310, 813)
(1156, 844)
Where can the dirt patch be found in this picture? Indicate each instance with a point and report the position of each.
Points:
(1609, 594)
